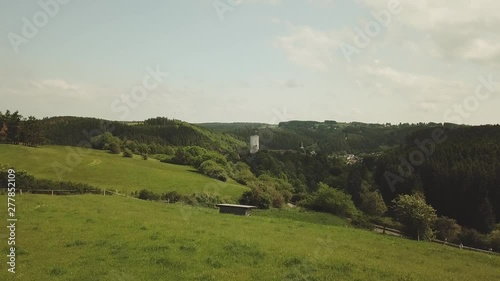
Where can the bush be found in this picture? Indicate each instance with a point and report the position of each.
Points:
(145, 194)
(372, 203)
(266, 192)
(362, 221)
(275, 187)
(206, 199)
(115, 148)
(417, 217)
(189, 155)
(107, 141)
(298, 197)
(472, 238)
(213, 170)
(447, 229)
(387, 222)
(331, 200)
(256, 197)
(145, 156)
(242, 173)
(495, 240)
(172, 196)
(127, 153)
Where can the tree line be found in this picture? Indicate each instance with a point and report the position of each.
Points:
(457, 185)
(16, 129)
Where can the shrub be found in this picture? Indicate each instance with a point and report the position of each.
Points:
(242, 173)
(145, 194)
(189, 155)
(495, 240)
(127, 153)
(361, 221)
(447, 229)
(331, 200)
(414, 213)
(107, 141)
(472, 238)
(213, 170)
(266, 193)
(276, 186)
(172, 196)
(115, 148)
(206, 199)
(372, 203)
(386, 221)
(256, 197)
(297, 197)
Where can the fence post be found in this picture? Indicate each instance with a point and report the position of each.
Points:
(21, 191)
(52, 192)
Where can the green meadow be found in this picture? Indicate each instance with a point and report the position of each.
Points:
(114, 172)
(95, 237)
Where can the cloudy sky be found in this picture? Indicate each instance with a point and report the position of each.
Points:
(253, 60)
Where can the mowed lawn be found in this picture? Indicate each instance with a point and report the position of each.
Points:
(115, 172)
(93, 237)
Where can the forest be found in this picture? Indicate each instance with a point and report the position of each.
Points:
(454, 182)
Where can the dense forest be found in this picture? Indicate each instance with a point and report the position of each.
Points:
(328, 136)
(450, 173)
(152, 132)
(460, 177)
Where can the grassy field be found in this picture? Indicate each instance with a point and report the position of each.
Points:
(114, 172)
(92, 237)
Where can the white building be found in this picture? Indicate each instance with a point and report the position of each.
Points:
(254, 144)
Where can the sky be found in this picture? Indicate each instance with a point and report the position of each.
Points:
(267, 61)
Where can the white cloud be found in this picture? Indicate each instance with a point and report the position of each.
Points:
(309, 47)
(426, 92)
(59, 87)
(459, 29)
(55, 84)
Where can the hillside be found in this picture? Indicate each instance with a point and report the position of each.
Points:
(92, 237)
(160, 131)
(459, 174)
(105, 170)
(326, 137)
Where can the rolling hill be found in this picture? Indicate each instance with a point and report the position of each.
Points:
(94, 237)
(105, 170)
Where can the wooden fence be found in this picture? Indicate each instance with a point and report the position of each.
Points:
(68, 192)
(395, 232)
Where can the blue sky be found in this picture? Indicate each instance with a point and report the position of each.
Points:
(258, 60)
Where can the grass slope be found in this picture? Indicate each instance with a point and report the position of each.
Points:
(92, 237)
(113, 172)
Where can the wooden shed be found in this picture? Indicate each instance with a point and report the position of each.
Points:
(242, 210)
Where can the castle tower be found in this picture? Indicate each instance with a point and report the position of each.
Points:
(254, 144)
